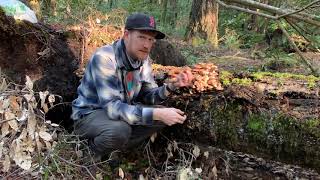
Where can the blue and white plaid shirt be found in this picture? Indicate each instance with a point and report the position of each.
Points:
(108, 84)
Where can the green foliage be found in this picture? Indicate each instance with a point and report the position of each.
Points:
(231, 39)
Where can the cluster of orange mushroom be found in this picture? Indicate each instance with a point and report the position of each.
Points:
(206, 75)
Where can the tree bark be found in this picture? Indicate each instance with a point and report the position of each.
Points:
(164, 12)
(203, 21)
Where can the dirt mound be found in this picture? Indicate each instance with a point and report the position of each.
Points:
(39, 52)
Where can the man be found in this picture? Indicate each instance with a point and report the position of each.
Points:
(111, 110)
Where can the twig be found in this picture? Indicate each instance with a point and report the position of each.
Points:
(77, 165)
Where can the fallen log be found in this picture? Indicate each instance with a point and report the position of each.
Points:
(276, 116)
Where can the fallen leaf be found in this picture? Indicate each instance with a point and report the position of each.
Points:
(141, 177)
(48, 145)
(29, 145)
(3, 85)
(24, 115)
(38, 142)
(31, 127)
(153, 137)
(198, 170)
(196, 151)
(51, 98)
(206, 154)
(6, 164)
(14, 125)
(8, 115)
(4, 129)
(45, 136)
(6, 104)
(215, 172)
(29, 83)
(1, 148)
(44, 52)
(23, 160)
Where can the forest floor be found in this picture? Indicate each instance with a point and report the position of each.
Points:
(170, 159)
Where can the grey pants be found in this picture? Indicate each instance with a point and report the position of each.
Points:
(105, 135)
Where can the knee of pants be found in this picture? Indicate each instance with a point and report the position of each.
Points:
(119, 133)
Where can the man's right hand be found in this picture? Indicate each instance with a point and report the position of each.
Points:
(169, 116)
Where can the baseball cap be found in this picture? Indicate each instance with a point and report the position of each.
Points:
(140, 21)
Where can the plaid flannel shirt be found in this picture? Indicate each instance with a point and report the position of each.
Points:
(107, 85)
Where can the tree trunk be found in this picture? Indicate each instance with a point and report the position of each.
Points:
(203, 21)
(173, 13)
(164, 12)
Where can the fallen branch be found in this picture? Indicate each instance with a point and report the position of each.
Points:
(305, 61)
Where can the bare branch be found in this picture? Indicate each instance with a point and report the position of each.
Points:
(302, 9)
(245, 10)
(305, 61)
(308, 18)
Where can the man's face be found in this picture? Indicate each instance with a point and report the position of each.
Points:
(139, 43)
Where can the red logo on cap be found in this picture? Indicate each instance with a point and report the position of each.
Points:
(151, 23)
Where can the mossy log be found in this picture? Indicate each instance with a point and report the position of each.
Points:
(276, 116)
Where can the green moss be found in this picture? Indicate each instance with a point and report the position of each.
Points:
(244, 81)
(226, 121)
(275, 135)
(225, 77)
(257, 125)
(311, 80)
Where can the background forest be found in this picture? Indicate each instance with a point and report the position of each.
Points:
(261, 121)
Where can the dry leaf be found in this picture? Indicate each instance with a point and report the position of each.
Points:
(45, 108)
(9, 115)
(48, 144)
(141, 177)
(215, 172)
(1, 148)
(24, 115)
(206, 154)
(31, 127)
(51, 98)
(14, 125)
(198, 170)
(23, 135)
(4, 129)
(45, 136)
(196, 151)
(3, 85)
(44, 52)
(6, 104)
(23, 160)
(6, 164)
(29, 83)
(29, 145)
(14, 105)
(54, 125)
(153, 137)
(38, 143)
(121, 173)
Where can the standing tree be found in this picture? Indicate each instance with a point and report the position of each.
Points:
(203, 21)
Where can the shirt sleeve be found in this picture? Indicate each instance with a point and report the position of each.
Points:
(150, 93)
(108, 88)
